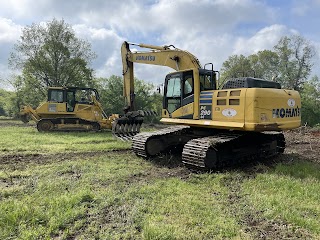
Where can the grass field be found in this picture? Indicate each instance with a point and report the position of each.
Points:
(91, 186)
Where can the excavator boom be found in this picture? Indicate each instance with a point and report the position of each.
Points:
(129, 124)
(157, 55)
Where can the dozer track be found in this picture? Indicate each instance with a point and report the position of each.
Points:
(66, 124)
(216, 151)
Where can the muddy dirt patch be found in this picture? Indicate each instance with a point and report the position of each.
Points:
(15, 123)
(304, 142)
(22, 159)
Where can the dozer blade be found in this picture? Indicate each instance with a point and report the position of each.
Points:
(25, 118)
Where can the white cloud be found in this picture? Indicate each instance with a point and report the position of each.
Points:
(9, 34)
(9, 31)
(266, 38)
(210, 29)
(106, 43)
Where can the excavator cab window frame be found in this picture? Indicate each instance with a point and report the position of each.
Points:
(208, 75)
(172, 101)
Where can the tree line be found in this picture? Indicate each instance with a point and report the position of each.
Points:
(52, 55)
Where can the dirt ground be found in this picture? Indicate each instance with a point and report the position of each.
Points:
(305, 142)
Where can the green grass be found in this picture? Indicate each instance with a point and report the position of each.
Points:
(62, 192)
(29, 140)
(175, 209)
(289, 192)
(101, 197)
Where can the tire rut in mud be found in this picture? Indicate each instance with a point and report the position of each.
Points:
(39, 158)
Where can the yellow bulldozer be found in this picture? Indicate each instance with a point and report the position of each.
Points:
(212, 126)
(74, 108)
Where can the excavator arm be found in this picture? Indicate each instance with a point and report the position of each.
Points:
(157, 55)
(129, 124)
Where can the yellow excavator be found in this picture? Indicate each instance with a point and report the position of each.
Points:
(75, 108)
(214, 127)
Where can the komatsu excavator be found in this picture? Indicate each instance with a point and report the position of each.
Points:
(213, 127)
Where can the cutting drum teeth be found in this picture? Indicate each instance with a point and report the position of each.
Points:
(125, 131)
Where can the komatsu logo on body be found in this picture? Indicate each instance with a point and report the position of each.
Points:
(285, 112)
(146, 58)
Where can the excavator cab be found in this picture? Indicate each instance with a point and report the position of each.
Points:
(181, 87)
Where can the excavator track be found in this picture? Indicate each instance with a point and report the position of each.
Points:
(221, 150)
(207, 150)
(197, 151)
(152, 143)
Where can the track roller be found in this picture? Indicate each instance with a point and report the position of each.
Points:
(45, 125)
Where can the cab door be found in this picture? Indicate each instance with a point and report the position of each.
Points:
(179, 95)
(172, 95)
(70, 101)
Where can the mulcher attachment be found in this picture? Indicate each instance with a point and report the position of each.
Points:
(129, 124)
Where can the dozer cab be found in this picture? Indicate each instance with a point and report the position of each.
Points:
(69, 108)
(212, 126)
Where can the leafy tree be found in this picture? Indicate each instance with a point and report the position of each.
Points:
(310, 97)
(3, 100)
(265, 64)
(234, 66)
(290, 63)
(6, 108)
(295, 61)
(50, 54)
(111, 95)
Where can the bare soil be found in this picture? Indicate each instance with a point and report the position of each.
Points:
(305, 142)
(15, 123)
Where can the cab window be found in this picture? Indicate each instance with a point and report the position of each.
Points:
(206, 82)
(173, 93)
(188, 85)
(83, 96)
(55, 96)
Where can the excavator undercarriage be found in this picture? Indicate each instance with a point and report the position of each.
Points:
(209, 149)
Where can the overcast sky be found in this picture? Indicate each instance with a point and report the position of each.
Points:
(210, 29)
